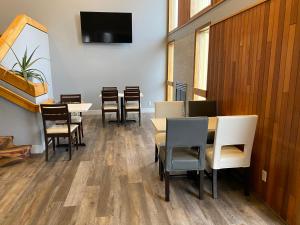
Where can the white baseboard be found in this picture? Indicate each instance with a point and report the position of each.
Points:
(37, 149)
(99, 112)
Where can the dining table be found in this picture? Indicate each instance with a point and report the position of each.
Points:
(160, 124)
(77, 108)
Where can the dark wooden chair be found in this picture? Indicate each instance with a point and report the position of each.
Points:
(51, 114)
(204, 108)
(132, 102)
(76, 118)
(110, 103)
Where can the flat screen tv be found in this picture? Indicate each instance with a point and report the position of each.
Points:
(106, 27)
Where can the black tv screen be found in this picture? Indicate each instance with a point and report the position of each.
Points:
(106, 27)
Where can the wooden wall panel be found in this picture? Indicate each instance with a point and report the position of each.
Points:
(254, 69)
(183, 12)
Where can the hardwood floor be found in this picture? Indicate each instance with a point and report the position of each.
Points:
(114, 180)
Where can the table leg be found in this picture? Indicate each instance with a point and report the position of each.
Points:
(122, 110)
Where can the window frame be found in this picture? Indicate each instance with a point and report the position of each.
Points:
(170, 71)
(200, 11)
(173, 7)
(199, 93)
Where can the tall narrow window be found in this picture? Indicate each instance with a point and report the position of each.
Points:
(201, 64)
(173, 14)
(170, 83)
(198, 5)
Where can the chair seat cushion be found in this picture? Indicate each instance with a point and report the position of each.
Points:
(61, 129)
(183, 159)
(76, 119)
(160, 139)
(231, 157)
(110, 106)
(132, 105)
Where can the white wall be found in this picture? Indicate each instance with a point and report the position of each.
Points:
(85, 68)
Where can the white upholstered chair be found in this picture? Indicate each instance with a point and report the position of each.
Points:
(231, 132)
(170, 109)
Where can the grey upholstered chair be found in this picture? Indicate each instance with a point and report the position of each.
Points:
(204, 108)
(184, 150)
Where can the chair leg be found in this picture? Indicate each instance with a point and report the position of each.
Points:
(76, 136)
(46, 149)
(156, 153)
(79, 133)
(246, 181)
(118, 117)
(81, 125)
(103, 118)
(140, 118)
(70, 148)
(167, 186)
(215, 183)
(53, 144)
(201, 184)
(161, 170)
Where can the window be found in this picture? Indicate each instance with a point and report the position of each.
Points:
(173, 14)
(201, 64)
(198, 5)
(170, 83)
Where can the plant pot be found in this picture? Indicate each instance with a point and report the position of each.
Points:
(27, 86)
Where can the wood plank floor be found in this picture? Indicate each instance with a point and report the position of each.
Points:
(114, 180)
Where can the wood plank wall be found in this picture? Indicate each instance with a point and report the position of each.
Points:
(183, 12)
(254, 69)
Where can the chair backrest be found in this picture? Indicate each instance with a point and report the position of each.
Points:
(203, 108)
(188, 133)
(110, 96)
(109, 88)
(55, 112)
(128, 88)
(70, 98)
(132, 95)
(234, 130)
(172, 109)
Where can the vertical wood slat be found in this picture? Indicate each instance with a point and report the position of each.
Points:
(254, 69)
(183, 12)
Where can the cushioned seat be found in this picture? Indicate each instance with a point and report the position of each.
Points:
(230, 155)
(132, 105)
(110, 106)
(183, 158)
(160, 139)
(61, 129)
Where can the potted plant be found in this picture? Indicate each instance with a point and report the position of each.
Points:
(22, 72)
(25, 67)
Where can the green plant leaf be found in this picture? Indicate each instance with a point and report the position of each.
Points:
(41, 73)
(34, 62)
(24, 58)
(30, 57)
